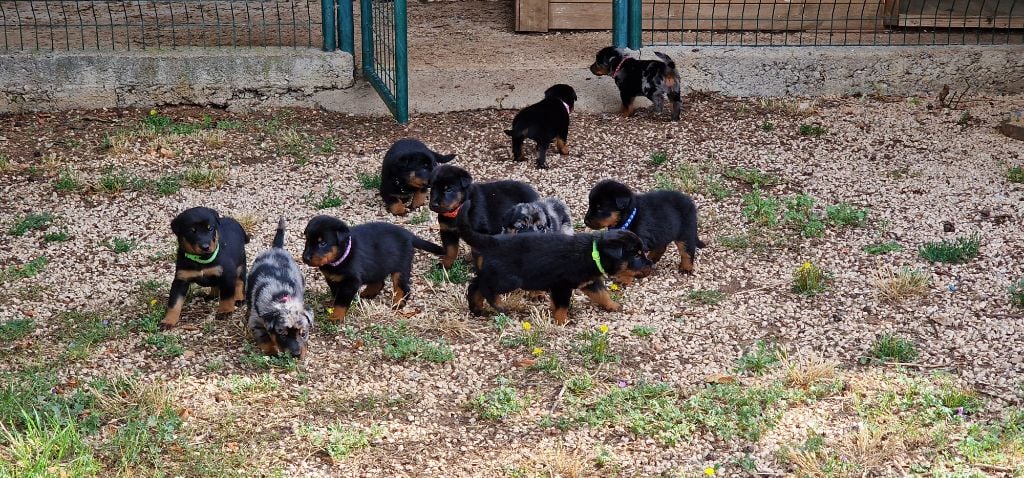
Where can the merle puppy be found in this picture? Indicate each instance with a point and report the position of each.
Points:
(545, 215)
(405, 173)
(275, 296)
(544, 122)
(556, 263)
(211, 253)
(653, 79)
(362, 255)
(452, 186)
(658, 217)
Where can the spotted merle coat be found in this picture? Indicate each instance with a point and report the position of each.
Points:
(653, 79)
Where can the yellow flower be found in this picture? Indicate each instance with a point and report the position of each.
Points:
(152, 112)
(330, 310)
(614, 286)
(603, 328)
(527, 326)
(152, 302)
(807, 265)
(537, 352)
(709, 471)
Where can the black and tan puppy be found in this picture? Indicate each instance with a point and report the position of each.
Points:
(544, 122)
(452, 186)
(362, 255)
(405, 173)
(653, 79)
(544, 215)
(556, 263)
(658, 218)
(275, 295)
(211, 253)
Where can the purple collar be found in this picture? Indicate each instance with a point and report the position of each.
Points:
(344, 256)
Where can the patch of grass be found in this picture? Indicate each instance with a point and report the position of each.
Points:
(203, 176)
(292, 143)
(166, 345)
(82, 331)
(760, 210)
(59, 236)
(30, 222)
(643, 331)
(547, 363)
(1015, 174)
(5, 162)
(226, 125)
(892, 348)
(999, 443)
(965, 118)
(843, 214)
(498, 403)
(256, 359)
(645, 409)
(579, 384)
(767, 126)
(756, 178)
(800, 215)
(115, 181)
(326, 146)
(43, 445)
(162, 124)
(420, 217)
(706, 296)
(658, 158)
(758, 359)
(501, 322)
(526, 336)
(330, 198)
(813, 130)
(167, 184)
(957, 251)
(663, 182)
(16, 329)
(369, 181)
(895, 286)
(458, 273)
(143, 421)
(239, 385)
(121, 245)
(340, 441)
(24, 271)
(732, 410)
(734, 242)
(809, 279)
(397, 343)
(67, 181)
(1016, 291)
(595, 347)
(880, 248)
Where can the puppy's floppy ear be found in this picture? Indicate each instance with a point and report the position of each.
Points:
(612, 248)
(465, 181)
(178, 225)
(621, 201)
(444, 158)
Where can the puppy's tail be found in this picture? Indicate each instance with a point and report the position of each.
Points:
(279, 236)
(444, 158)
(427, 246)
(473, 238)
(671, 74)
(510, 132)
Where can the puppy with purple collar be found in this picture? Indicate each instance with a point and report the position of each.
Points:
(544, 122)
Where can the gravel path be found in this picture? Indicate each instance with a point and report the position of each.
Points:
(912, 166)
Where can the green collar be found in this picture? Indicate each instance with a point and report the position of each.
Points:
(597, 259)
(199, 259)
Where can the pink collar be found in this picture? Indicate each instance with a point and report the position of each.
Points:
(344, 256)
(617, 68)
(568, 110)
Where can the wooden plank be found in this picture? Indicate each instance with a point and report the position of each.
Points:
(532, 16)
(845, 16)
(933, 21)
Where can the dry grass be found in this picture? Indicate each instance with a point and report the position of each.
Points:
(212, 138)
(899, 285)
(814, 370)
(557, 461)
(248, 220)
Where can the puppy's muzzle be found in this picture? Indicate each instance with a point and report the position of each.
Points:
(599, 70)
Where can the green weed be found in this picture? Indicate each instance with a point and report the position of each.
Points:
(167, 184)
(203, 176)
(880, 248)
(1015, 174)
(166, 345)
(809, 279)
(43, 445)
(16, 329)
(644, 409)
(121, 245)
(115, 181)
(760, 210)
(397, 343)
(369, 181)
(891, 348)
(579, 384)
(24, 271)
(843, 214)
(957, 251)
(498, 403)
(420, 217)
(734, 242)
(643, 331)
(800, 215)
(813, 130)
(595, 347)
(527, 336)
(326, 146)
(663, 182)
(30, 222)
(658, 158)
(330, 198)
(458, 273)
(706, 296)
(767, 126)
(340, 441)
(1017, 293)
(82, 331)
(67, 181)
(757, 360)
(238, 385)
(756, 178)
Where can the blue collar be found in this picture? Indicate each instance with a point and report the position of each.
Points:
(629, 220)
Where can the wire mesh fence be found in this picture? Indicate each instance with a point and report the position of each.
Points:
(832, 22)
(142, 24)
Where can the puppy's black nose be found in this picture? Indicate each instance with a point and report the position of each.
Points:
(205, 247)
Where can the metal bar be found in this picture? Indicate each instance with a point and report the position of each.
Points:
(620, 23)
(346, 25)
(327, 9)
(635, 14)
(366, 19)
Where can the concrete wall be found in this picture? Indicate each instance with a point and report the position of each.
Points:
(234, 78)
(239, 78)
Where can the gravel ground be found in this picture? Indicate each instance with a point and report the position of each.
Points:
(914, 167)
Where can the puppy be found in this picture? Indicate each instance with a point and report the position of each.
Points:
(278, 316)
(546, 215)
(658, 218)
(544, 122)
(556, 263)
(651, 78)
(362, 255)
(405, 173)
(211, 253)
(451, 186)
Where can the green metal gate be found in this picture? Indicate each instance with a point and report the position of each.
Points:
(385, 62)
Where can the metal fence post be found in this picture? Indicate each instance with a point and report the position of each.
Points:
(327, 9)
(620, 23)
(366, 22)
(346, 26)
(635, 24)
(401, 63)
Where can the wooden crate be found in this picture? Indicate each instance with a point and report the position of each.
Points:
(775, 15)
